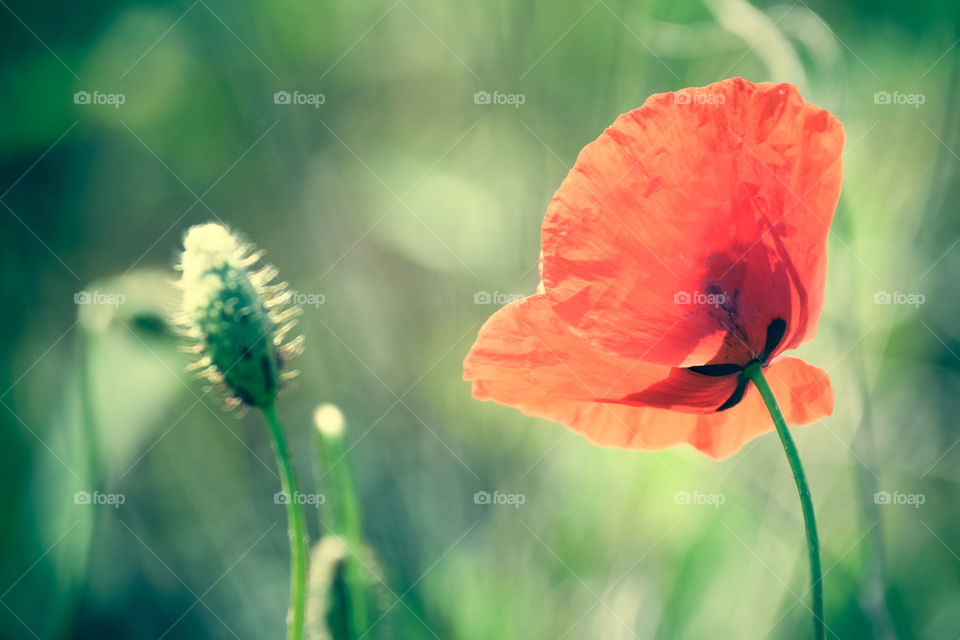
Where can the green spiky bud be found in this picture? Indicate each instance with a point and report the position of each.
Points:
(237, 316)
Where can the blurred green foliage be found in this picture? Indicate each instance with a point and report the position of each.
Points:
(398, 199)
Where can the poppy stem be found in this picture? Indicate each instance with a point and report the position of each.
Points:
(296, 526)
(755, 373)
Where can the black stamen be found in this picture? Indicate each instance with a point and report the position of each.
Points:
(716, 370)
(775, 331)
(737, 394)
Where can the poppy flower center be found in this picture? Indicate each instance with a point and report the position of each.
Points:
(775, 332)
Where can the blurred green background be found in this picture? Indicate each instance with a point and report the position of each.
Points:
(396, 201)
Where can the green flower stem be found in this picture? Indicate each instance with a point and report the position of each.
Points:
(297, 527)
(345, 516)
(755, 373)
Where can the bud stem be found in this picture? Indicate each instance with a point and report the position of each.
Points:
(296, 527)
(345, 516)
(755, 373)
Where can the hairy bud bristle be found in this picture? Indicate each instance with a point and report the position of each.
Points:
(237, 317)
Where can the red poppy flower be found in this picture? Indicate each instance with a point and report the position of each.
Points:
(688, 241)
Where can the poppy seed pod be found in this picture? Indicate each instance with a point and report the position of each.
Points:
(237, 316)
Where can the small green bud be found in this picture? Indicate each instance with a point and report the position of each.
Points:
(328, 607)
(329, 420)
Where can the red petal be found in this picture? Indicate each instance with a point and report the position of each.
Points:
(525, 353)
(803, 392)
(729, 193)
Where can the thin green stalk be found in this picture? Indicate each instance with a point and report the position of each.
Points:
(345, 516)
(297, 527)
(755, 373)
